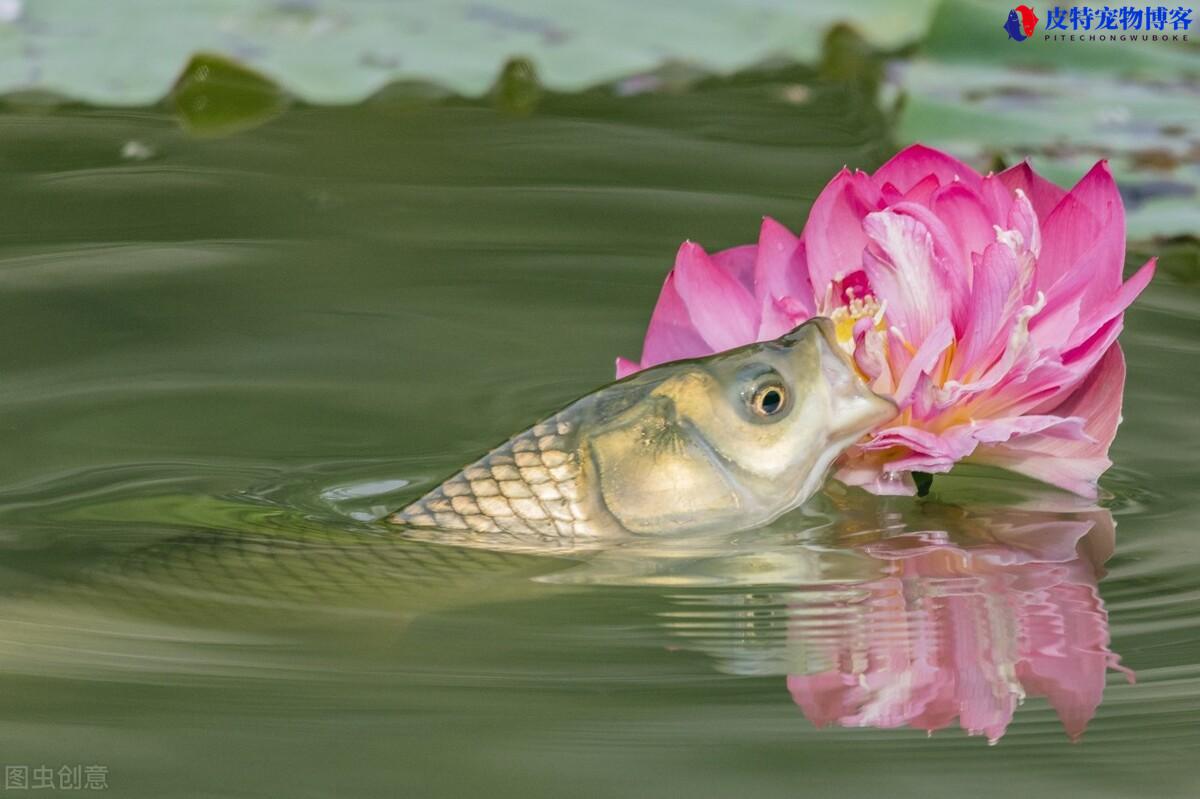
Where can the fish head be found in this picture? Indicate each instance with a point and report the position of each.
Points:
(735, 439)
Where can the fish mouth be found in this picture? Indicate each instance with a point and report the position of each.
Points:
(886, 407)
(858, 409)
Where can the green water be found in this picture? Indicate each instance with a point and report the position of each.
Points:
(276, 335)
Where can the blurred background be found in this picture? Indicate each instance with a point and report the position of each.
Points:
(939, 72)
(270, 268)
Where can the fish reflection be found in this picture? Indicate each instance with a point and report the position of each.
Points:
(920, 619)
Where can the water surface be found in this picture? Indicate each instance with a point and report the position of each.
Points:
(224, 356)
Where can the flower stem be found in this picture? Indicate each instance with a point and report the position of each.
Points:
(924, 481)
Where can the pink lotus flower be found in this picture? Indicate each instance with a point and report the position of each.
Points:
(988, 307)
(952, 632)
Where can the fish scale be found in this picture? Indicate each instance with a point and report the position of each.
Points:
(530, 486)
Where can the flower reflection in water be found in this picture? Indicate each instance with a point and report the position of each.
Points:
(905, 614)
(952, 631)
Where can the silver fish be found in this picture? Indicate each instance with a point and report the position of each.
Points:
(727, 442)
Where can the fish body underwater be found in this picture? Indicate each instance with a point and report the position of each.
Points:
(727, 442)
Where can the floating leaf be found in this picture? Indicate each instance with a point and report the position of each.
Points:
(517, 90)
(325, 52)
(215, 97)
(847, 57)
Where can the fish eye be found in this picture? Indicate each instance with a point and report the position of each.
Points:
(769, 399)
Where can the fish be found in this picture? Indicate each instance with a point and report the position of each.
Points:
(1013, 27)
(726, 442)
(1029, 20)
